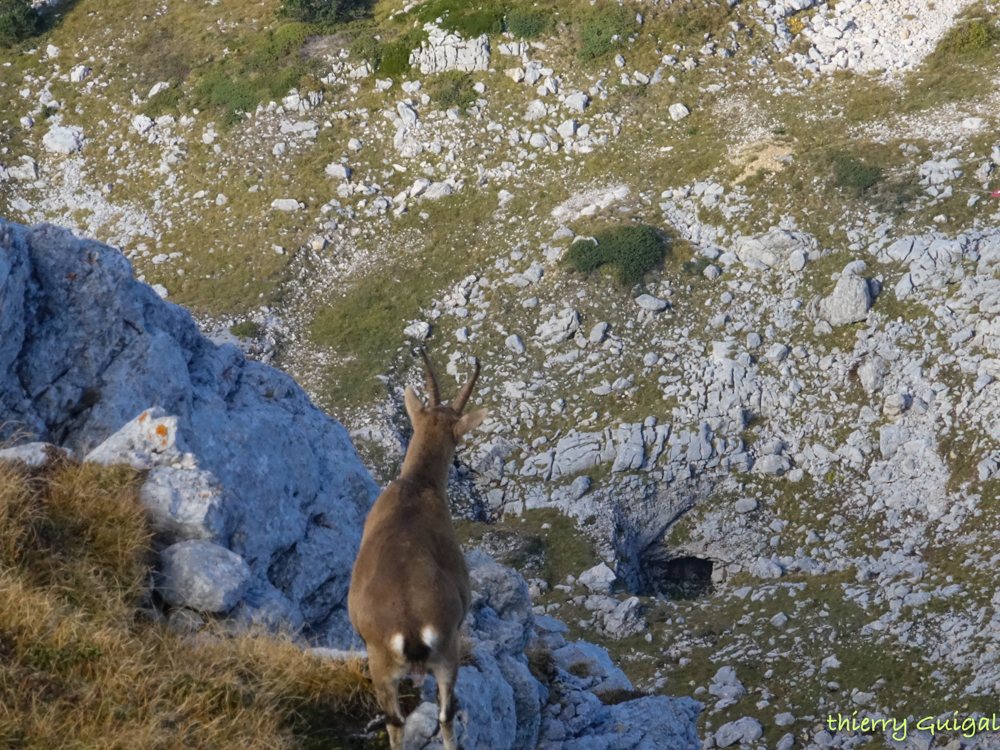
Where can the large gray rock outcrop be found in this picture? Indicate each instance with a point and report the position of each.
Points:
(86, 351)
(444, 51)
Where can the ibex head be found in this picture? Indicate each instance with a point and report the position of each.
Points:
(442, 420)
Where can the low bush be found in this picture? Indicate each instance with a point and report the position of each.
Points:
(605, 29)
(322, 11)
(854, 175)
(266, 71)
(969, 38)
(527, 24)
(245, 330)
(463, 17)
(630, 251)
(396, 54)
(18, 21)
(367, 47)
(452, 89)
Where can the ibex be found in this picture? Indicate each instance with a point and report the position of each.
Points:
(410, 587)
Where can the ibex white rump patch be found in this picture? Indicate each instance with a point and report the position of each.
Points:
(397, 642)
(429, 636)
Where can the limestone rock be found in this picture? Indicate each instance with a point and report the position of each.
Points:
(773, 247)
(186, 504)
(651, 303)
(447, 51)
(678, 111)
(339, 171)
(599, 579)
(872, 373)
(437, 190)
(849, 303)
(63, 140)
(743, 731)
(78, 73)
(141, 124)
(202, 576)
(74, 322)
(31, 454)
(418, 330)
(536, 111)
(577, 102)
(592, 661)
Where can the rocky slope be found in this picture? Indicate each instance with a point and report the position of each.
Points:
(245, 472)
(779, 442)
(258, 498)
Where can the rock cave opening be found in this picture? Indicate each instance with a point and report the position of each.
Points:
(686, 577)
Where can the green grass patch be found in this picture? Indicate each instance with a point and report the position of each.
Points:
(854, 175)
(452, 89)
(245, 330)
(470, 19)
(266, 70)
(366, 47)
(526, 23)
(631, 251)
(963, 64)
(972, 37)
(17, 22)
(165, 102)
(605, 29)
(323, 11)
(395, 59)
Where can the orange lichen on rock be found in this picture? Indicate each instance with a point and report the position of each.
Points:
(161, 430)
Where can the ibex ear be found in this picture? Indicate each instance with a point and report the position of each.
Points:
(414, 407)
(469, 422)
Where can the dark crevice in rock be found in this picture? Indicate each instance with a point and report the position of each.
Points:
(681, 577)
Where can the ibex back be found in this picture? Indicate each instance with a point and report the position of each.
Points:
(410, 588)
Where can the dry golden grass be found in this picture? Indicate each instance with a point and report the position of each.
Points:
(83, 664)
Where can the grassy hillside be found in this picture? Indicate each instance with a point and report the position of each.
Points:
(85, 662)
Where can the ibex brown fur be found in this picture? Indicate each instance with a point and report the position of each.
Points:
(410, 588)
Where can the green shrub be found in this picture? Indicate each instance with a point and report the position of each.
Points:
(165, 101)
(631, 251)
(17, 22)
(853, 175)
(969, 38)
(464, 17)
(267, 71)
(276, 48)
(245, 330)
(452, 89)
(367, 47)
(527, 24)
(322, 11)
(396, 54)
(395, 61)
(232, 96)
(586, 256)
(605, 28)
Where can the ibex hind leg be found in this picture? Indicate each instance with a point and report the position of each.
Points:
(447, 703)
(387, 693)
